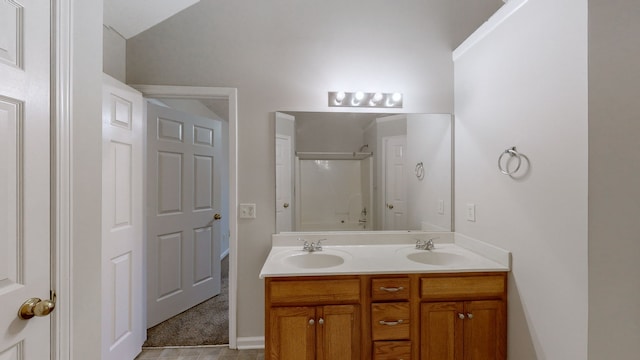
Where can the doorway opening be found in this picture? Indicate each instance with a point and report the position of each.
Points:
(223, 103)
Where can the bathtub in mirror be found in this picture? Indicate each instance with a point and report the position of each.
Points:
(363, 171)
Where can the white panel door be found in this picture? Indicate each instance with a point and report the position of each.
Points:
(284, 219)
(395, 192)
(184, 207)
(24, 176)
(123, 331)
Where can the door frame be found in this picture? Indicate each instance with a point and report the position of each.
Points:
(231, 95)
(61, 177)
(65, 113)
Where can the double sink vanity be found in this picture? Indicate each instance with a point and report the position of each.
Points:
(384, 295)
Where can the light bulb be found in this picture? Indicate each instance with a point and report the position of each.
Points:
(396, 97)
(340, 96)
(357, 98)
(376, 98)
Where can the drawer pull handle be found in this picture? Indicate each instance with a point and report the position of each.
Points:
(321, 321)
(391, 289)
(390, 323)
(311, 321)
(470, 315)
(461, 316)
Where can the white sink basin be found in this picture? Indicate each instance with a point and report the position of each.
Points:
(437, 258)
(440, 256)
(315, 260)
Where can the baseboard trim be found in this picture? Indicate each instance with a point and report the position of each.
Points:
(251, 342)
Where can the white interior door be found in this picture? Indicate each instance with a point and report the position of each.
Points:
(122, 221)
(24, 176)
(284, 219)
(184, 207)
(395, 192)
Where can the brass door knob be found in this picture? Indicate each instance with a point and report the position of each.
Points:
(286, 205)
(36, 307)
(217, 217)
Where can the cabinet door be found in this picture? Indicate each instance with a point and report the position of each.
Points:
(440, 331)
(292, 334)
(485, 330)
(338, 332)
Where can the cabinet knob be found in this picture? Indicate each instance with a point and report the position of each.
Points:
(470, 315)
(311, 321)
(321, 321)
(461, 316)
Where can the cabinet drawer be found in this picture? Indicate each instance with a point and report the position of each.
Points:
(390, 289)
(390, 321)
(392, 350)
(462, 287)
(314, 292)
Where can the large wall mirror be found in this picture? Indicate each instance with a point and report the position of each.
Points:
(363, 171)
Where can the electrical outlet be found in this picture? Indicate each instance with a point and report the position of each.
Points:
(471, 212)
(247, 211)
(441, 207)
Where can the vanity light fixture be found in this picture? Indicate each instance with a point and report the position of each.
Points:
(365, 99)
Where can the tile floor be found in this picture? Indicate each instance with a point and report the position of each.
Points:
(199, 353)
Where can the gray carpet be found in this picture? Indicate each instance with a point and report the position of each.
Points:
(203, 324)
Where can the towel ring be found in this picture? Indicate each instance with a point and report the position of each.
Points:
(512, 153)
(419, 170)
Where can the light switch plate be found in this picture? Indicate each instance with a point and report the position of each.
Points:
(441, 207)
(471, 212)
(247, 211)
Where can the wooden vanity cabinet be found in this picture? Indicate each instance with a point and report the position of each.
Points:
(315, 318)
(454, 316)
(471, 326)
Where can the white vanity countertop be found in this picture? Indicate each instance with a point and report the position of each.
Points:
(360, 254)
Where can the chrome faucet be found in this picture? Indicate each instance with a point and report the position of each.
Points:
(311, 246)
(425, 245)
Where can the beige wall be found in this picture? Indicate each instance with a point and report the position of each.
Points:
(286, 54)
(614, 170)
(525, 84)
(114, 56)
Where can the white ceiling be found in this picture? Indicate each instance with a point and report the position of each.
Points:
(131, 17)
